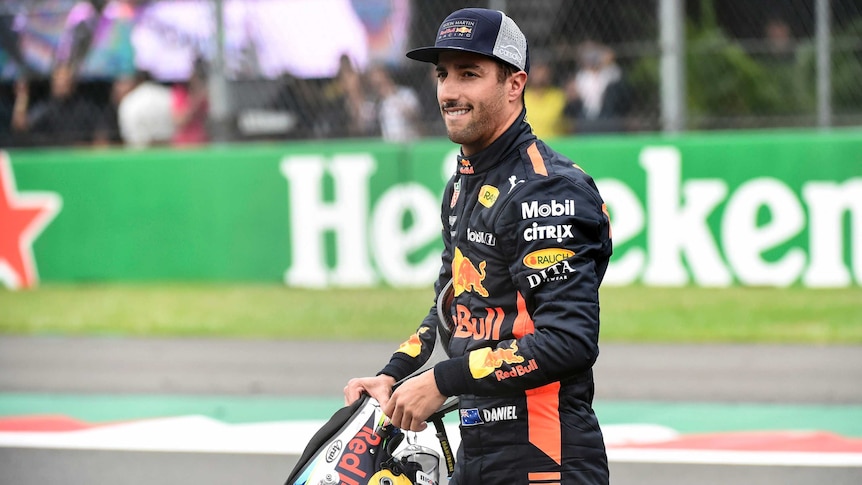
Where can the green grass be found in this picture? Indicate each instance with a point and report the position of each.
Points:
(629, 314)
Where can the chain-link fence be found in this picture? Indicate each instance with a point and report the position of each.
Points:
(302, 69)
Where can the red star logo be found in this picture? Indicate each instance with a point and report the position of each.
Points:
(23, 216)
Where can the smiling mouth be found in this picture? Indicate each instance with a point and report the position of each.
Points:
(456, 112)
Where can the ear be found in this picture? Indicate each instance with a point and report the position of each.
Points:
(517, 83)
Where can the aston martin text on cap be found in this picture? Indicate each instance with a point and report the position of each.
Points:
(481, 31)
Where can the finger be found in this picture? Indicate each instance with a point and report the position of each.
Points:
(396, 416)
(383, 400)
(417, 424)
(351, 393)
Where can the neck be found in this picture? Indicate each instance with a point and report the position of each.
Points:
(469, 150)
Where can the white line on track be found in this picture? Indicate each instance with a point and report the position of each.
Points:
(201, 434)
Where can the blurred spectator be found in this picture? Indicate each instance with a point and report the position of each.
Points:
(351, 111)
(779, 40)
(545, 102)
(144, 114)
(65, 118)
(598, 98)
(190, 107)
(311, 108)
(397, 106)
(108, 126)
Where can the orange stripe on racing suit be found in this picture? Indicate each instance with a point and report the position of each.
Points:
(537, 160)
(543, 403)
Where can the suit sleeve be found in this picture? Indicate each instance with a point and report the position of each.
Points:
(414, 352)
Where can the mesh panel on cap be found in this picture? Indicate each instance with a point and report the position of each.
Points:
(511, 45)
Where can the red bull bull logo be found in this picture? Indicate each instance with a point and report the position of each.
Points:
(485, 361)
(465, 167)
(465, 276)
(413, 345)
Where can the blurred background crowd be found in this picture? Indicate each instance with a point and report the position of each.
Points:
(184, 72)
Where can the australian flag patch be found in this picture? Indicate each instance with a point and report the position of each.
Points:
(470, 417)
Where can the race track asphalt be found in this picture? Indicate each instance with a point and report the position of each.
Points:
(781, 374)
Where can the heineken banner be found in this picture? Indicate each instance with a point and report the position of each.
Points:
(771, 209)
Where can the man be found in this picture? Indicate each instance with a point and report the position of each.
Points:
(67, 117)
(144, 114)
(397, 106)
(545, 101)
(527, 242)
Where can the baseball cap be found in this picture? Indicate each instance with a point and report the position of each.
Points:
(481, 31)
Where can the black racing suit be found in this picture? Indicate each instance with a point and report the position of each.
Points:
(527, 242)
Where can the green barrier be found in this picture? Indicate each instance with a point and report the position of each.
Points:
(704, 209)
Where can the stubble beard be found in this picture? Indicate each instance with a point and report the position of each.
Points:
(480, 124)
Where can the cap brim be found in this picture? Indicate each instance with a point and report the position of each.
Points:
(432, 54)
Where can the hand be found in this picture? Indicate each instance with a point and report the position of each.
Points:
(22, 101)
(378, 387)
(22, 88)
(414, 401)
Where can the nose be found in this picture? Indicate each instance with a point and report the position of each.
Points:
(446, 91)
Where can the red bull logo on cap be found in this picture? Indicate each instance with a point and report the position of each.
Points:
(465, 276)
(456, 28)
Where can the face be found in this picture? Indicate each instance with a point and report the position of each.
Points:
(476, 107)
(62, 82)
(540, 75)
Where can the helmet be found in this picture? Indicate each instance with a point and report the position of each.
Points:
(414, 465)
(387, 477)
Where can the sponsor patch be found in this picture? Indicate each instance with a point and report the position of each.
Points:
(457, 29)
(556, 272)
(488, 195)
(413, 345)
(455, 193)
(334, 451)
(554, 231)
(510, 51)
(465, 167)
(478, 327)
(356, 459)
(481, 237)
(533, 209)
(424, 479)
(470, 417)
(513, 182)
(516, 371)
(546, 257)
(502, 413)
(467, 277)
(485, 361)
(474, 417)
